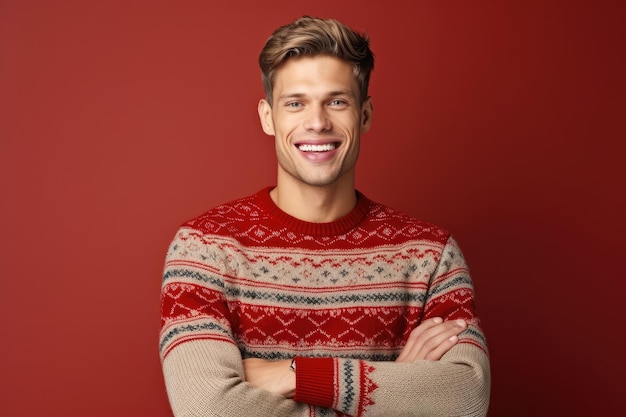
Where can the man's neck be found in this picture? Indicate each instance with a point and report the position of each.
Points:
(315, 204)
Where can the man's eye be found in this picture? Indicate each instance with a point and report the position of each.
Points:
(294, 104)
(337, 103)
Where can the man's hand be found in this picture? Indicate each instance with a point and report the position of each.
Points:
(273, 376)
(431, 340)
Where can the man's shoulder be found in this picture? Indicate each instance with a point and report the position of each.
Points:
(228, 217)
(393, 222)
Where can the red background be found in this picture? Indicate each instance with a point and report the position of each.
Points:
(501, 121)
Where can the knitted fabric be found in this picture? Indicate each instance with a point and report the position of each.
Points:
(247, 280)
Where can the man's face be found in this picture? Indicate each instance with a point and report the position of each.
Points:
(316, 119)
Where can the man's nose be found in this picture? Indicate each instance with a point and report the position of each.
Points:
(317, 119)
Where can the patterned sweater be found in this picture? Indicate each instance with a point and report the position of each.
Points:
(247, 280)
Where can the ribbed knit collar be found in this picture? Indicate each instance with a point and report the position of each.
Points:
(338, 227)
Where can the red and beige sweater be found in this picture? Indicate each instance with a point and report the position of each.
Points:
(247, 280)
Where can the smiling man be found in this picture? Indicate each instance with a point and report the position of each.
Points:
(307, 298)
(317, 119)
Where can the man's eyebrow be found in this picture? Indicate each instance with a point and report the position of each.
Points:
(290, 96)
(345, 91)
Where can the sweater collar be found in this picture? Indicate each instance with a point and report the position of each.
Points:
(340, 226)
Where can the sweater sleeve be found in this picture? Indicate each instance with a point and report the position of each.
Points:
(456, 385)
(202, 365)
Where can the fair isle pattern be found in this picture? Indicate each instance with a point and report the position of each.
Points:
(363, 292)
(367, 387)
(346, 388)
(293, 301)
(355, 383)
(249, 221)
(279, 288)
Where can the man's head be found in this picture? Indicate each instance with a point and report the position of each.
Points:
(316, 75)
(312, 37)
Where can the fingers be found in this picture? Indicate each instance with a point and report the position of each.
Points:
(440, 349)
(431, 340)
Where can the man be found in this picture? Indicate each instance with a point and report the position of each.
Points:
(309, 299)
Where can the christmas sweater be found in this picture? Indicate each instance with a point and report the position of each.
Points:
(247, 280)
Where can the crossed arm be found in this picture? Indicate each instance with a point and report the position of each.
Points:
(428, 341)
(434, 373)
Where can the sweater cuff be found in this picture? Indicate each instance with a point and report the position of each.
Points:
(315, 381)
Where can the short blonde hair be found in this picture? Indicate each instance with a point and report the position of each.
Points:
(309, 36)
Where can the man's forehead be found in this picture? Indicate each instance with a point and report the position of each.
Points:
(319, 74)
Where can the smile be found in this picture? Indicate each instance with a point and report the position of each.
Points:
(317, 148)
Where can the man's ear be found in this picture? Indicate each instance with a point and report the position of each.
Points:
(265, 116)
(367, 108)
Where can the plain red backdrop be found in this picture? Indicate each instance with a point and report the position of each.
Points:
(501, 121)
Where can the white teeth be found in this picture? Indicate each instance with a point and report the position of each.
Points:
(317, 148)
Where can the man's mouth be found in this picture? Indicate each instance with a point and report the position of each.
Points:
(305, 147)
